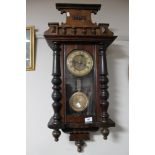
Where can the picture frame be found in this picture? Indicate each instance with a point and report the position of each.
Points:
(30, 43)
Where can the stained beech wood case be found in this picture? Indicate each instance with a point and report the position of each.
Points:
(80, 82)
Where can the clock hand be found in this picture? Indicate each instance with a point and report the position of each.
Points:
(80, 59)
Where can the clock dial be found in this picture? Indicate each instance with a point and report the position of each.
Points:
(79, 62)
(78, 101)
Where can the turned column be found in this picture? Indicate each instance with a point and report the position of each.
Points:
(104, 89)
(55, 122)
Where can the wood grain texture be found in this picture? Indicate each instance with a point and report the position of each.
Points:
(79, 32)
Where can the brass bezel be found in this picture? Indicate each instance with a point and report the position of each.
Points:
(79, 93)
(78, 74)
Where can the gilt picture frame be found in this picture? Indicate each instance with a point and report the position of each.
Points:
(30, 43)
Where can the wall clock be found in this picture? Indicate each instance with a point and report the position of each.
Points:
(80, 83)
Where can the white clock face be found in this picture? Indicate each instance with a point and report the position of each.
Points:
(79, 62)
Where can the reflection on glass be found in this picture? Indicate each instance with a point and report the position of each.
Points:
(86, 87)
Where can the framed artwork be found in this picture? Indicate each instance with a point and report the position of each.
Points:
(30, 64)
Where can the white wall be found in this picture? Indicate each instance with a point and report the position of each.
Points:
(39, 110)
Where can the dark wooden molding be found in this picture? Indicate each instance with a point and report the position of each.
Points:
(80, 39)
(101, 30)
(65, 6)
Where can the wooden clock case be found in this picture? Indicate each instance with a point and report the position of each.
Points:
(79, 32)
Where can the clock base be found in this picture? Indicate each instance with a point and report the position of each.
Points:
(80, 132)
